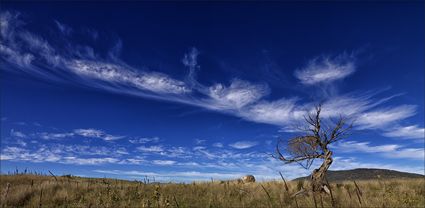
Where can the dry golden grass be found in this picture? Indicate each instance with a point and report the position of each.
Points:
(46, 191)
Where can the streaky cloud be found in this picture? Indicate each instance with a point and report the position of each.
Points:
(326, 69)
(33, 54)
(384, 116)
(154, 82)
(18, 134)
(387, 150)
(64, 29)
(236, 96)
(94, 133)
(407, 132)
(243, 144)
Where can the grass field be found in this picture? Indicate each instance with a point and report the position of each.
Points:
(25, 190)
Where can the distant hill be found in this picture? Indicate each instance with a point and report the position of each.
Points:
(365, 174)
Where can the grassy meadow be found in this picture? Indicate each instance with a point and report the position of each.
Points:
(26, 190)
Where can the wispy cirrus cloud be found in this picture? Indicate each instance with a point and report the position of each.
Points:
(282, 112)
(326, 69)
(243, 144)
(200, 141)
(88, 133)
(95, 133)
(384, 116)
(34, 54)
(49, 136)
(406, 132)
(88, 161)
(144, 140)
(163, 162)
(46, 155)
(65, 29)
(153, 148)
(388, 150)
(119, 74)
(237, 95)
(190, 60)
(68, 154)
(18, 134)
(218, 145)
(26, 50)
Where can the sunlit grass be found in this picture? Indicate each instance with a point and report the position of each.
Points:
(45, 191)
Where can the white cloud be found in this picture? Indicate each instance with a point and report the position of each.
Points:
(94, 133)
(177, 152)
(200, 141)
(207, 153)
(133, 161)
(383, 117)
(21, 47)
(163, 162)
(189, 164)
(154, 148)
(21, 142)
(144, 140)
(19, 134)
(280, 112)
(243, 144)
(237, 95)
(10, 153)
(89, 161)
(66, 155)
(190, 59)
(123, 75)
(17, 153)
(325, 70)
(64, 29)
(243, 99)
(7, 20)
(389, 150)
(49, 136)
(218, 144)
(89, 133)
(88, 150)
(38, 45)
(197, 148)
(413, 153)
(413, 131)
(350, 104)
(158, 82)
(22, 60)
(352, 146)
(121, 151)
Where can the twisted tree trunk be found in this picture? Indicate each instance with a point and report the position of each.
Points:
(318, 176)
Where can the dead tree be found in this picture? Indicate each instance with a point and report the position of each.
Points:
(314, 145)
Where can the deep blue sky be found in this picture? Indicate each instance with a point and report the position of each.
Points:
(190, 91)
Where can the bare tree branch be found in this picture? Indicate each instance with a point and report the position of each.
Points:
(314, 145)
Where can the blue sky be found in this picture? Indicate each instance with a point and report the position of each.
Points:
(194, 91)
